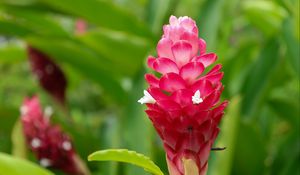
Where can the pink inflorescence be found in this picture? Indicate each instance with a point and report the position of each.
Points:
(183, 104)
(51, 146)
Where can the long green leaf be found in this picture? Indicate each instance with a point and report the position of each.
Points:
(38, 21)
(125, 51)
(13, 29)
(123, 155)
(15, 166)
(266, 15)
(158, 12)
(8, 116)
(102, 13)
(293, 46)
(228, 136)
(209, 21)
(18, 140)
(255, 88)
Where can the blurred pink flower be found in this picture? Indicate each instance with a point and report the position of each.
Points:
(80, 26)
(51, 146)
(49, 74)
(183, 104)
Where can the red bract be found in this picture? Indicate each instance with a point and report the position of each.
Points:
(49, 74)
(183, 104)
(52, 147)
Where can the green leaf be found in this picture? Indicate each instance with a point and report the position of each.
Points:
(16, 166)
(126, 52)
(19, 2)
(158, 12)
(266, 15)
(256, 88)
(18, 140)
(293, 46)
(209, 21)
(102, 13)
(12, 53)
(123, 155)
(38, 21)
(249, 151)
(13, 29)
(229, 130)
(284, 101)
(8, 116)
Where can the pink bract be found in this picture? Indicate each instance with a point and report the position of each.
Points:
(184, 102)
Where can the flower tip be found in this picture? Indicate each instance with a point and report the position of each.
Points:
(147, 98)
(196, 98)
(173, 20)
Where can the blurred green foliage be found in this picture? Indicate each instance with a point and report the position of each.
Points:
(257, 42)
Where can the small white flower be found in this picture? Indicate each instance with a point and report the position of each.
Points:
(66, 145)
(196, 98)
(35, 143)
(24, 110)
(48, 111)
(45, 162)
(147, 98)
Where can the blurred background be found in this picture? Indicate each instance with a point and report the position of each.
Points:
(101, 47)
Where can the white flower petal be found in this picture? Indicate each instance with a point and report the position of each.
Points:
(66, 145)
(45, 162)
(35, 143)
(48, 111)
(147, 98)
(196, 98)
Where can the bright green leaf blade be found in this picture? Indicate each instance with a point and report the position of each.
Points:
(15, 166)
(18, 140)
(123, 155)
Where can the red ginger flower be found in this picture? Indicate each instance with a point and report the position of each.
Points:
(52, 147)
(49, 74)
(183, 104)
